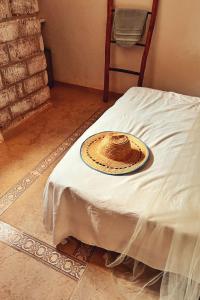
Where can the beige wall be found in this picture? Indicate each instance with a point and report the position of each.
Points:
(75, 31)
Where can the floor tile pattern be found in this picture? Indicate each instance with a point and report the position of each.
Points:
(23, 184)
(72, 266)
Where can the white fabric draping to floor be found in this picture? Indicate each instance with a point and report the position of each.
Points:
(101, 209)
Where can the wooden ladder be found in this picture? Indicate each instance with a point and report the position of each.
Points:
(146, 46)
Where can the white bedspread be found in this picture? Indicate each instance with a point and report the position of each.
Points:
(101, 209)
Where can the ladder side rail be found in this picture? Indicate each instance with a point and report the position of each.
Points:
(148, 42)
(108, 49)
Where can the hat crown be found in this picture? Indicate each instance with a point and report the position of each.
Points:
(114, 152)
(120, 139)
(116, 147)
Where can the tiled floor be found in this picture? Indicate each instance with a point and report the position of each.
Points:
(32, 141)
(30, 266)
(23, 278)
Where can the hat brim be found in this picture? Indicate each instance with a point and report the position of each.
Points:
(108, 166)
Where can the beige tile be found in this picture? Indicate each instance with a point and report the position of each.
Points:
(26, 213)
(24, 278)
(30, 142)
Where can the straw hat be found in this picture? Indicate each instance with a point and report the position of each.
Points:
(114, 152)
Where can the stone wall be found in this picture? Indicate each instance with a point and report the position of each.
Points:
(23, 76)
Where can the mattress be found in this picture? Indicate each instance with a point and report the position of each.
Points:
(101, 209)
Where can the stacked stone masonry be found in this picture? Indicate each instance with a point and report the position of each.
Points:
(23, 76)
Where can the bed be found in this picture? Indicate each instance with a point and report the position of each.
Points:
(101, 209)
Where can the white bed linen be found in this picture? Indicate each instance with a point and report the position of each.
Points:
(101, 209)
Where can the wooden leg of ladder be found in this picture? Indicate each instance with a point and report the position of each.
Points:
(107, 50)
(106, 82)
(148, 42)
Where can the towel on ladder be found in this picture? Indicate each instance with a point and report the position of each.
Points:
(129, 26)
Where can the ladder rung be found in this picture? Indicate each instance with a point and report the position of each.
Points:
(137, 44)
(124, 71)
(140, 44)
(149, 12)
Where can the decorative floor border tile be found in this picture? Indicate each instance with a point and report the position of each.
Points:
(71, 266)
(23, 184)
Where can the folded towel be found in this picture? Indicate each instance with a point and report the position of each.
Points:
(129, 26)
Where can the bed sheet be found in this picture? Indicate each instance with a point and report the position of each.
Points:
(101, 209)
